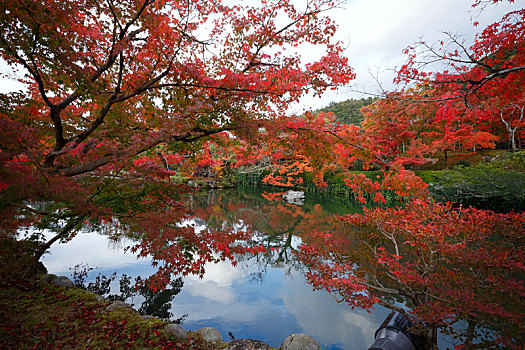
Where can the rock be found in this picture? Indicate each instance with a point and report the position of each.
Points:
(117, 305)
(99, 298)
(247, 344)
(176, 331)
(147, 317)
(294, 197)
(210, 334)
(48, 277)
(63, 281)
(299, 342)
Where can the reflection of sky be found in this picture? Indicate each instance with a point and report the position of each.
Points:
(96, 251)
(319, 315)
(229, 299)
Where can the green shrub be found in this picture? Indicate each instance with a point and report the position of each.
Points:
(485, 186)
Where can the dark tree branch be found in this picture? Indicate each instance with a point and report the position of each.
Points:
(191, 136)
(222, 88)
(70, 226)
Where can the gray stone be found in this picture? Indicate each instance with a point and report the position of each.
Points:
(63, 281)
(176, 331)
(299, 341)
(147, 317)
(247, 344)
(48, 277)
(294, 197)
(117, 305)
(210, 334)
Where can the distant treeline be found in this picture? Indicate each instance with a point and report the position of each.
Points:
(349, 111)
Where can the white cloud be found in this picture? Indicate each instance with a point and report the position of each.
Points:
(217, 284)
(376, 32)
(320, 316)
(96, 251)
(9, 78)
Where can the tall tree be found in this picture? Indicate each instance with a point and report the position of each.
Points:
(112, 83)
(437, 264)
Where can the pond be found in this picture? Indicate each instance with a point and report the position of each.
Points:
(264, 297)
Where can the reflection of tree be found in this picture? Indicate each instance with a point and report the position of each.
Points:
(440, 265)
(156, 302)
(273, 224)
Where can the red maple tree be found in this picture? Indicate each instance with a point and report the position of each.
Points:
(440, 265)
(114, 89)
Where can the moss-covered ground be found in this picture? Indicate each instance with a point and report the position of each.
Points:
(40, 315)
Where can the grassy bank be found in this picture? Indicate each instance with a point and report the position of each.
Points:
(497, 185)
(39, 315)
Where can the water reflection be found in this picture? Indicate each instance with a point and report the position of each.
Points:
(264, 297)
(153, 302)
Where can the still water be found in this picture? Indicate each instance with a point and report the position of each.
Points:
(264, 297)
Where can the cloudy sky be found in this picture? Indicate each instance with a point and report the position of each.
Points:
(376, 32)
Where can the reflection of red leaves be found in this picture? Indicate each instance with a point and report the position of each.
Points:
(272, 196)
(479, 272)
(258, 249)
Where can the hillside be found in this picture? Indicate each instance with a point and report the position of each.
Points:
(349, 111)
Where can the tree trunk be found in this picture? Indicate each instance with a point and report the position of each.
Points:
(512, 139)
(164, 161)
(430, 337)
(468, 343)
(508, 123)
(33, 265)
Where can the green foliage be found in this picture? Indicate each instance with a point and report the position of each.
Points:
(513, 161)
(485, 186)
(337, 187)
(349, 111)
(179, 179)
(250, 178)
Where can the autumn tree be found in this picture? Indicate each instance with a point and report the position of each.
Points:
(415, 133)
(482, 84)
(396, 126)
(438, 264)
(111, 84)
